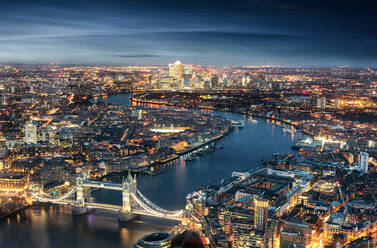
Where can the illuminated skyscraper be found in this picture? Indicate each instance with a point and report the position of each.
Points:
(176, 70)
(207, 84)
(31, 132)
(260, 213)
(215, 81)
(363, 161)
(187, 76)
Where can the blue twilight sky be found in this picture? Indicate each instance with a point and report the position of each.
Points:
(215, 32)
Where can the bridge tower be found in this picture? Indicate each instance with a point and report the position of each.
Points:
(129, 189)
(80, 199)
(82, 193)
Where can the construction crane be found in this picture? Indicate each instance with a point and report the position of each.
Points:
(342, 197)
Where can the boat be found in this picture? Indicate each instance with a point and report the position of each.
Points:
(238, 124)
(288, 130)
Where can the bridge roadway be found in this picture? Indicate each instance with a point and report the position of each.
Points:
(104, 206)
(112, 208)
(133, 200)
(103, 185)
(117, 208)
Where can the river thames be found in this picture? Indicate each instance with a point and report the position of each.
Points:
(55, 227)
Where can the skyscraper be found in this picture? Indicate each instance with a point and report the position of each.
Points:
(363, 161)
(176, 70)
(31, 132)
(260, 213)
(187, 76)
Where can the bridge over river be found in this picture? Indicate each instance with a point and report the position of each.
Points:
(133, 201)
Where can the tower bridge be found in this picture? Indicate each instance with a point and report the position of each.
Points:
(133, 201)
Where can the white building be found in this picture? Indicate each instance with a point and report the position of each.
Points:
(31, 136)
(363, 161)
(176, 70)
(321, 102)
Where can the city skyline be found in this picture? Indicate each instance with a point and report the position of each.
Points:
(226, 156)
(289, 33)
(196, 124)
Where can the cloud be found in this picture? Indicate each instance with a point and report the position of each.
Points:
(136, 56)
(225, 32)
(283, 5)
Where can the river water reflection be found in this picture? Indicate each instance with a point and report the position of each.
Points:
(55, 227)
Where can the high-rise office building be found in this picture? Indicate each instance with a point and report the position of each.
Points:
(215, 81)
(186, 83)
(363, 161)
(176, 70)
(188, 69)
(31, 132)
(187, 76)
(260, 213)
(207, 84)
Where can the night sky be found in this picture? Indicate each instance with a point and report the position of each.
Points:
(217, 32)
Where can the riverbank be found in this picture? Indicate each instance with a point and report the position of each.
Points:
(170, 159)
(165, 103)
(254, 143)
(243, 150)
(166, 160)
(13, 212)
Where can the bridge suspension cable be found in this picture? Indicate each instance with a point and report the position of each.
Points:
(143, 203)
(145, 207)
(48, 198)
(164, 213)
(146, 200)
